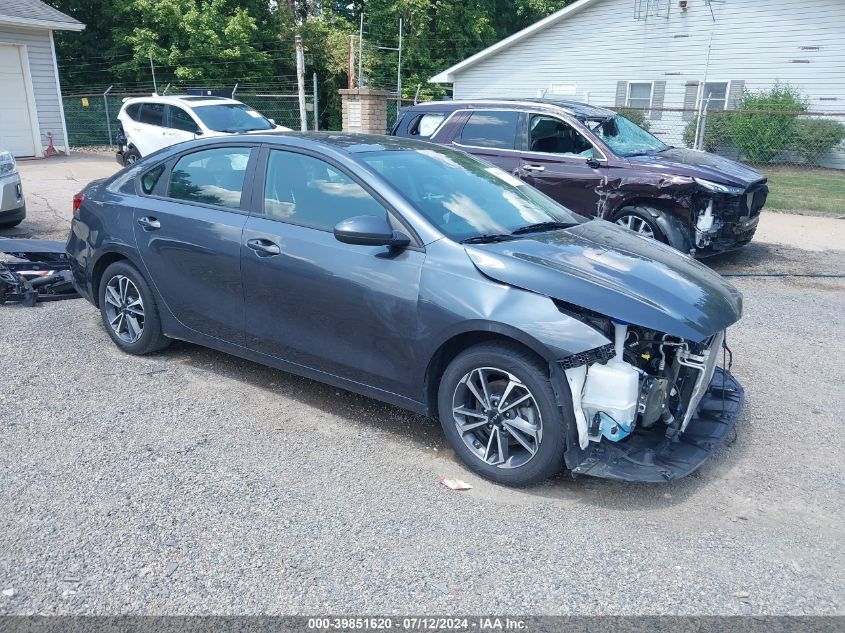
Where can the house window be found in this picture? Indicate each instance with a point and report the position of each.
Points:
(714, 96)
(639, 95)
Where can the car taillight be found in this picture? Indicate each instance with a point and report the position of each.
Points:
(77, 202)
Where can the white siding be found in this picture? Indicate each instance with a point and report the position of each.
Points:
(44, 86)
(602, 44)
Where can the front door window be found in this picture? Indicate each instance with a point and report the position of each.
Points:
(550, 135)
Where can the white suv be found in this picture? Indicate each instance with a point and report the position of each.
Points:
(152, 123)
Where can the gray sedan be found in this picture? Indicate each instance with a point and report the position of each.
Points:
(424, 277)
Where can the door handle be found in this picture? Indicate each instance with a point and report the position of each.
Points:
(149, 223)
(263, 248)
(533, 168)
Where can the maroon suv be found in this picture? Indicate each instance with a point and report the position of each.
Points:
(599, 163)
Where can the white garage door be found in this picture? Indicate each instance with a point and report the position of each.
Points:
(15, 120)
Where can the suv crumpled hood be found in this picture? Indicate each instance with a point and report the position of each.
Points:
(695, 164)
(607, 269)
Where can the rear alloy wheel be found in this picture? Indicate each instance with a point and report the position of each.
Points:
(499, 413)
(129, 311)
(131, 157)
(124, 308)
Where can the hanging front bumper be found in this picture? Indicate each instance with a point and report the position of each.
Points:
(649, 456)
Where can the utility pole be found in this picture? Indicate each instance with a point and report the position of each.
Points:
(361, 51)
(350, 71)
(399, 73)
(106, 104)
(300, 82)
(316, 104)
(153, 69)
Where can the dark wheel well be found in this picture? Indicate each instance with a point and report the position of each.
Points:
(664, 206)
(104, 262)
(672, 221)
(454, 346)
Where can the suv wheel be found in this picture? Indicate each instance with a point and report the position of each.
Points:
(499, 413)
(640, 220)
(129, 311)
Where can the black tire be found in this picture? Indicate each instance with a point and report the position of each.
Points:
(547, 460)
(131, 156)
(641, 213)
(10, 225)
(151, 339)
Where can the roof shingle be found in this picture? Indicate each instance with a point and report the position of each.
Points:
(27, 11)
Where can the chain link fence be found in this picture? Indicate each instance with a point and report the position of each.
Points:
(811, 140)
(92, 118)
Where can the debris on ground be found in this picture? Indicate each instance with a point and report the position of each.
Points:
(454, 484)
(38, 271)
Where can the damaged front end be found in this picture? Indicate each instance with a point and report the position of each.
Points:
(726, 217)
(650, 407)
(35, 271)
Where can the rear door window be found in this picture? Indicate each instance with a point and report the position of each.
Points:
(495, 129)
(211, 176)
(152, 114)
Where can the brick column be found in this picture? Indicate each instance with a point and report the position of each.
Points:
(364, 110)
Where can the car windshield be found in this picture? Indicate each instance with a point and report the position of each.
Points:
(467, 198)
(626, 138)
(232, 117)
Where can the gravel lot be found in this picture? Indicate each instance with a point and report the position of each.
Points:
(191, 482)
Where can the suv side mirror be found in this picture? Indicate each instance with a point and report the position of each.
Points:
(369, 230)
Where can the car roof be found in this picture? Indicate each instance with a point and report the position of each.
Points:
(345, 142)
(575, 108)
(184, 100)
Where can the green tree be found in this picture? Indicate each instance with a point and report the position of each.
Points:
(193, 41)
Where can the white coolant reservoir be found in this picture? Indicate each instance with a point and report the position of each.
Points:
(611, 391)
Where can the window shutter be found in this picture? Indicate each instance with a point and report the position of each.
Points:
(621, 93)
(657, 97)
(690, 100)
(737, 89)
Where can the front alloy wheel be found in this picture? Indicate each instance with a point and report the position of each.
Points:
(636, 224)
(124, 308)
(497, 417)
(500, 413)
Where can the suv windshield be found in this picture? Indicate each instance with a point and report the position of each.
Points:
(232, 117)
(626, 138)
(466, 198)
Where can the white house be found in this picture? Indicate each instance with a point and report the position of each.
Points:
(666, 54)
(30, 95)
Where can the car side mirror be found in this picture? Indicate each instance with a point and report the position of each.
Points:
(198, 132)
(369, 230)
(273, 121)
(593, 162)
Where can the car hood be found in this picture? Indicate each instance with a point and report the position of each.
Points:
(695, 164)
(607, 269)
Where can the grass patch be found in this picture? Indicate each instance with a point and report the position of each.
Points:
(817, 191)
